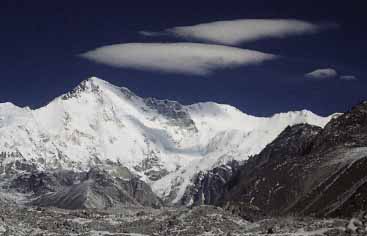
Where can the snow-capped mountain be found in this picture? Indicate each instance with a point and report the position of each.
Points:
(162, 141)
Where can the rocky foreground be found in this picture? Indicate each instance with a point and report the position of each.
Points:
(203, 220)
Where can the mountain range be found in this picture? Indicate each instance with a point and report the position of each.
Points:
(162, 142)
(103, 146)
(307, 170)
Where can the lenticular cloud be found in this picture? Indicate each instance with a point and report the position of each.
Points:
(326, 73)
(234, 32)
(181, 58)
(348, 77)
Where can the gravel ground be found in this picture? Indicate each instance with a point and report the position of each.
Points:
(203, 220)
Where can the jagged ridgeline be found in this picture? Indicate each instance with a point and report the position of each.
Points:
(160, 146)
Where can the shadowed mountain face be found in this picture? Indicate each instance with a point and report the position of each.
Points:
(307, 170)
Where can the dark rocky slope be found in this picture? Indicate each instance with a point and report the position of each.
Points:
(307, 170)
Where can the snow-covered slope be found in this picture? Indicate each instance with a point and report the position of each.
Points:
(163, 141)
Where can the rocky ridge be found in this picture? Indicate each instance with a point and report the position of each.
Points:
(306, 170)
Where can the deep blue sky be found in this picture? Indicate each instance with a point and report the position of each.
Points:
(40, 40)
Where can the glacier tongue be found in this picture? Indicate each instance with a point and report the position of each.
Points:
(162, 141)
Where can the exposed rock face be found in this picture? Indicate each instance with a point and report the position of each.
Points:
(82, 87)
(75, 190)
(173, 110)
(151, 167)
(308, 170)
(348, 130)
(208, 187)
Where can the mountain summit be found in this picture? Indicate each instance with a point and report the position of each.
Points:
(162, 142)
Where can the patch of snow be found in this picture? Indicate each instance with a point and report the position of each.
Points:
(81, 221)
(351, 155)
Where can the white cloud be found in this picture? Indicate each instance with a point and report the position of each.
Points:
(234, 32)
(150, 34)
(183, 58)
(348, 77)
(327, 73)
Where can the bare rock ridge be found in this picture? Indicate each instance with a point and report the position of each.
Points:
(306, 170)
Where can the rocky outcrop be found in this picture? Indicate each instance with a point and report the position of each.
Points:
(173, 111)
(347, 130)
(151, 167)
(208, 187)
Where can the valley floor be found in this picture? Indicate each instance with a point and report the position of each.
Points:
(203, 220)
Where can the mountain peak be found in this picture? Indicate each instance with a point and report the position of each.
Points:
(96, 82)
(89, 85)
(95, 79)
(96, 85)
